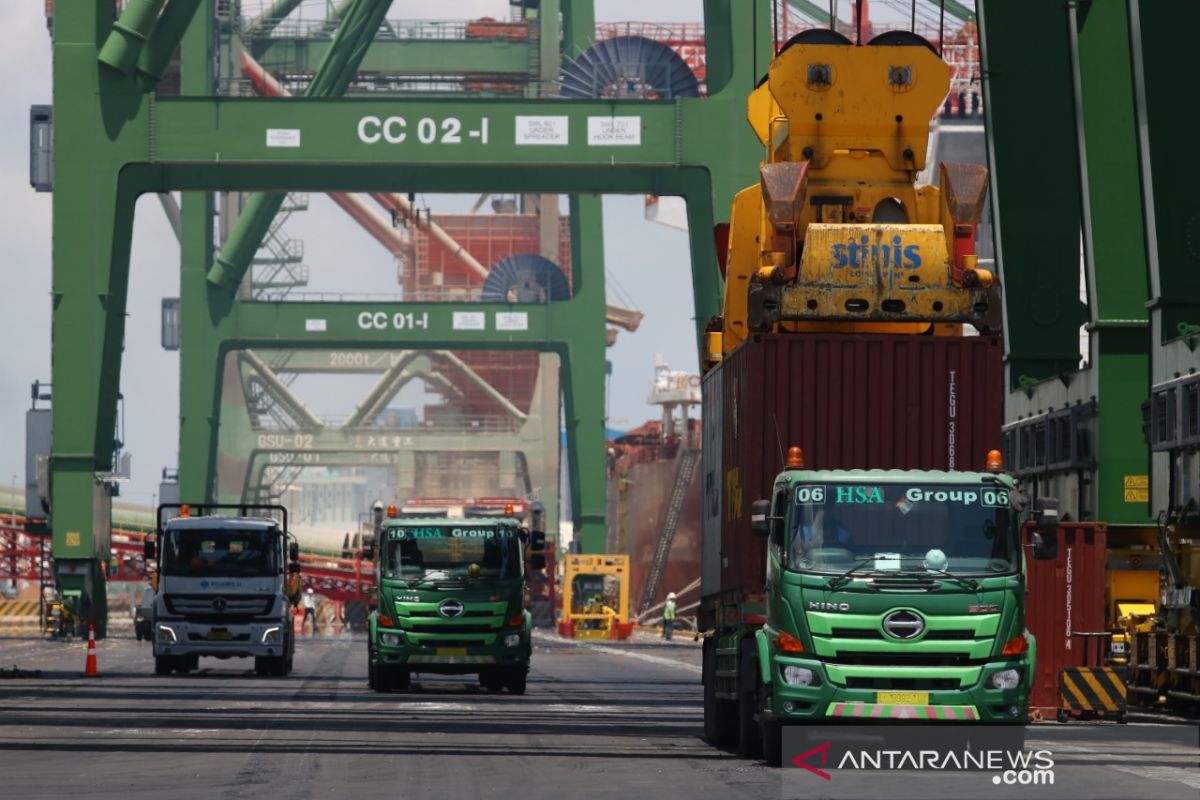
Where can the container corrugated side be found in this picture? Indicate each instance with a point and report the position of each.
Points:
(851, 402)
(1065, 599)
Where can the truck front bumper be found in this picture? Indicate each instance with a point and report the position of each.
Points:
(452, 660)
(182, 638)
(829, 696)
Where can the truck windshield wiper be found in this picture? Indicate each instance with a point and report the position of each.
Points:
(839, 581)
(967, 583)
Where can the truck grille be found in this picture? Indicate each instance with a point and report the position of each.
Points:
(902, 659)
(913, 684)
(448, 642)
(451, 630)
(874, 635)
(218, 608)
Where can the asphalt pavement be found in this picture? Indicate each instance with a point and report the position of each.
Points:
(598, 721)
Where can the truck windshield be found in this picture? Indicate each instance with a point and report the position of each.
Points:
(220, 552)
(448, 551)
(956, 528)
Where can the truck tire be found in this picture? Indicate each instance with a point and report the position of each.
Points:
(516, 679)
(749, 735)
(492, 680)
(401, 679)
(771, 734)
(163, 665)
(370, 671)
(718, 714)
(185, 664)
(262, 665)
(383, 679)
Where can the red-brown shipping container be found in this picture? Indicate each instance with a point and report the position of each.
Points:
(851, 402)
(1066, 598)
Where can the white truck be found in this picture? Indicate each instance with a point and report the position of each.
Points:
(225, 586)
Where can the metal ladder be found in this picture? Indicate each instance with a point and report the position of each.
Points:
(683, 479)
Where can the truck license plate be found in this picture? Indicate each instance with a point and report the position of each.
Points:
(222, 635)
(452, 651)
(902, 698)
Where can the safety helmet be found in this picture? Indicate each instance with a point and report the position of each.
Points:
(310, 591)
(670, 595)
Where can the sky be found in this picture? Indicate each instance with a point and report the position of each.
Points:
(650, 261)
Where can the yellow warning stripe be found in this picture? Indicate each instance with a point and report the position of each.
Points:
(1091, 689)
(19, 608)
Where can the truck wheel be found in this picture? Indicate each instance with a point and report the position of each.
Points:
(383, 679)
(491, 680)
(163, 665)
(401, 679)
(370, 672)
(717, 722)
(277, 666)
(771, 733)
(516, 679)
(749, 740)
(262, 665)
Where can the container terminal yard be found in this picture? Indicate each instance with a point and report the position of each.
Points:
(587, 398)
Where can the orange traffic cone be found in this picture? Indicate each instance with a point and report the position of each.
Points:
(89, 667)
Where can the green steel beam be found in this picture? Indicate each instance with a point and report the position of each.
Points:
(129, 34)
(424, 326)
(578, 27)
(156, 55)
(333, 75)
(274, 15)
(811, 10)
(1114, 246)
(1166, 60)
(1036, 200)
(955, 9)
(403, 57)
(204, 311)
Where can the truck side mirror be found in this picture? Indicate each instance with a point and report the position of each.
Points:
(293, 551)
(368, 547)
(148, 549)
(760, 517)
(1045, 533)
(538, 561)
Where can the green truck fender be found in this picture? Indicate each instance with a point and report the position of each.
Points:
(764, 656)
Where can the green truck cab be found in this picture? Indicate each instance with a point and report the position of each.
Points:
(890, 596)
(451, 602)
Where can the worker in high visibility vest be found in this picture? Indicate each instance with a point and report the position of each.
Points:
(668, 616)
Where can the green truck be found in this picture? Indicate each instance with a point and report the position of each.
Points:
(451, 601)
(893, 593)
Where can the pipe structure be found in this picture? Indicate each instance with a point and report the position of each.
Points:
(331, 79)
(129, 34)
(168, 33)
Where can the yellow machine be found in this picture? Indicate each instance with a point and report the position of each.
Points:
(1163, 635)
(845, 240)
(595, 597)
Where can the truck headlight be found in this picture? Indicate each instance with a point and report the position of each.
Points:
(1005, 679)
(390, 639)
(272, 635)
(512, 639)
(166, 635)
(798, 676)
